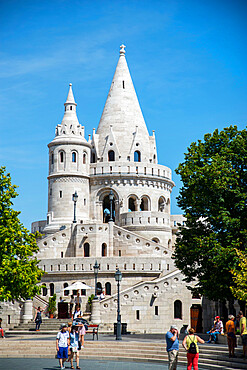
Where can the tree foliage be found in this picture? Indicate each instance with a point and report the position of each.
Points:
(19, 272)
(214, 200)
(240, 277)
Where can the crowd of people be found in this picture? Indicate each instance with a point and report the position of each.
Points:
(191, 340)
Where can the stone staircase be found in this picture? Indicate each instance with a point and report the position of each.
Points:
(211, 357)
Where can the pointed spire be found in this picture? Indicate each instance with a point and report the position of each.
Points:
(123, 112)
(70, 97)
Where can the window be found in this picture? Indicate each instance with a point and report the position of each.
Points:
(60, 193)
(119, 253)
(66, 292)
(83, 291)
(132, 206)
(137, 315)
(108, 288)
(137, 156)
(178, 309)
(111, 156)
(156, 240)
(144, 204)
(85, 201)
(123, 85)
(156, 310)
(104, 250)
(74, 157)
(70, 107)
(50, 191)
(61, 157)
(44, 290)
(61, 254)
(52, 158)
(84, 158)
(161, 204)
(86, 250)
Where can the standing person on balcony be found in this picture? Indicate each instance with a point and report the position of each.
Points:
(172, 347)
(190, 345)
(38, 318)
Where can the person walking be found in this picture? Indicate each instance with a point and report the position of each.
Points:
(243, 332)
(231, 337)
(172, 347)
(38, 318)
(74, 346)
(62, 343)
(190, 345)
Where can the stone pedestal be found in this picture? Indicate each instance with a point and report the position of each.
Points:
(28, 311)
(95, 316)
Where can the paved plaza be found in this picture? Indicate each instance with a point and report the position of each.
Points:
(52, 364)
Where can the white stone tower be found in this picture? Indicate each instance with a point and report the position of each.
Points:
(69, 157)
(124, 159)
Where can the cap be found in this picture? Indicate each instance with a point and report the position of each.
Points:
(217, 317)
(174, 327)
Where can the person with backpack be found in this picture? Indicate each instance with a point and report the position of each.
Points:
(190, 345)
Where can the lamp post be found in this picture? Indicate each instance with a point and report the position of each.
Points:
(74, 198)
(96, 270)
(118, 278)
(111, 197)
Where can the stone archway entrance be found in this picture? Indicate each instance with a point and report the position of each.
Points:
(106, 209)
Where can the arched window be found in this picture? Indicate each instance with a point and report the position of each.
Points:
(93, 157)
(104, 250)
(51, 289)
(86, 250)
(66, 292)
(111, 156)
(84, 158)
(71, 107)
(74, 157)
(61, 157)
(52, 158)
(154, 158)
(44, 291)
(106, 209)
(83, 291)
(99, 288)
(131, 205)
(107, 288)
(144, 204)
(161, 204)
(137, 156)
(178, 309)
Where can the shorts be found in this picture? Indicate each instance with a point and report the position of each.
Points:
(63, 352)
(244, 339)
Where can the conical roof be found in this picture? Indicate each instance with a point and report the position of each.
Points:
(122, 113)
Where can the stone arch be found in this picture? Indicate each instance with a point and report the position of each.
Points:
(137, 156)
(74, 156)
(66, 292)
(132, 203)
(93, 157)
(61, 159)
(102, 198)
(44, 290)
(145, 203)
(111, 156)
(84, 158)
(99, 287)
(161, 204)
(168, 206)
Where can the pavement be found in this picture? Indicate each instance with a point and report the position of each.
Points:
(52, 364)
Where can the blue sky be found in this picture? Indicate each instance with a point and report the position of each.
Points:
(187, 60)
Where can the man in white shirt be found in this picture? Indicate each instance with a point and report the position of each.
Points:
(77, 312)
(62, 343)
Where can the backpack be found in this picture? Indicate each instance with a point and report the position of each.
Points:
(192, 348)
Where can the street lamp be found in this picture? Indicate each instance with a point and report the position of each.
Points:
(96, 270)
(74, 198)
(111, 197)
(118, 278)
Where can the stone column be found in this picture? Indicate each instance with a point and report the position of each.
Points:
(95, 315)
(111, 226)
(28, 311)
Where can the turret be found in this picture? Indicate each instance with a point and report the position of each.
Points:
(69, 158)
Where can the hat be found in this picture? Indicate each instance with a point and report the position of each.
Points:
(174, 327)
(217, 317)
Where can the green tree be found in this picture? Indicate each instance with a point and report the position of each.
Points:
(19, 272)
(240, 277)
(214, 200)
